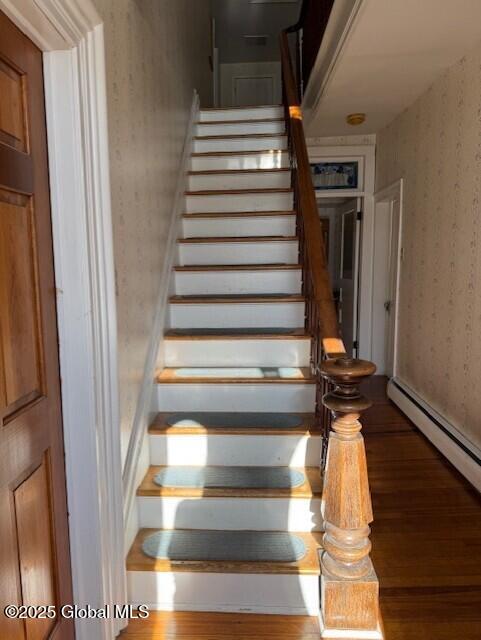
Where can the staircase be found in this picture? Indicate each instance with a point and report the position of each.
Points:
(230, 508)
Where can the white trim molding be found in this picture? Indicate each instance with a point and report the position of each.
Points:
(361, 148)
(71, 35)
(341, 21)
(137, 458)
(462, 453)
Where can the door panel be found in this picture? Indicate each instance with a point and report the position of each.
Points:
(21, 344)
(13, 129)
(34, 549)
(253, 91)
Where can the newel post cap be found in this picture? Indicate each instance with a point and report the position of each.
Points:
(346, 374)
(346, 370)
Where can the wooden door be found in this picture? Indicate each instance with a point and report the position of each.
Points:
(34, 545)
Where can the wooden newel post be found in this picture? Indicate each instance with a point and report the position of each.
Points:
(349, 585)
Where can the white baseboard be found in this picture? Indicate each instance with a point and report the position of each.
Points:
(445, 437)
(136, 461)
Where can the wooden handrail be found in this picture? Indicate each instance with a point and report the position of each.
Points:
(349, 585)
(307, 205)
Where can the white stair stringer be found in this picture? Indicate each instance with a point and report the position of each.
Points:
(212, 201)
(232, 161)
(233, 313)
(223, 592)
(238, 225)
(245, 352)
(252, 179)
(230, 396)
(240, 127)
(256, 514)
(232, 280)
(280, 450)
(206, 144)
(243, 113)
(266, 250)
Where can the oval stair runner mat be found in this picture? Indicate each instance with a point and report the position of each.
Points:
(225, 546)
(230, 477)
(248, 420)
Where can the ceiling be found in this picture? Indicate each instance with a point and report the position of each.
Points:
(237, 18)
(393, 52)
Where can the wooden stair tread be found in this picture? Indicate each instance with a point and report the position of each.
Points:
(300, 375)
(236, 298)
(309, 565)
(312, 487)
(242, 239)
(233, 334)
(198, 625)
(239, 267)
(238, 214)
(208, 172)
(203, 154)
(240, 192)
(160, 426)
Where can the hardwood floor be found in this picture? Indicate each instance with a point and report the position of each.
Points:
(426, 548)
(221, 626)
(426, 531)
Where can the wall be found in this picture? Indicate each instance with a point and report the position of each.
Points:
(436, 146)
(156, 54)
(229, 71)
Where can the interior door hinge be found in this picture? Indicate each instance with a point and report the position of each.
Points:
(359, 215)
(355, 345)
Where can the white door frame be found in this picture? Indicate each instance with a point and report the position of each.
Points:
(70, 33)
(392, 192)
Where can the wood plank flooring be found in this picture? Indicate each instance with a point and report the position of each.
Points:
(426, 548)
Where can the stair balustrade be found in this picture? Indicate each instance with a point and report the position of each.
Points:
(349, 585)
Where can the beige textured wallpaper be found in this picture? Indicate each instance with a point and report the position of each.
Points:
(156, 54)
(436, 146)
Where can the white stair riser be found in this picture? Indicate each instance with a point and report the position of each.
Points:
(240, 128)
(240, 144)
(219, 316)
(244, 593)
(239, 226)
(256, 113)
(268, 160)
(233, 202)
(218, 253)
(234, 397)
(290, 450)
(233, 180)
(241, 353)
(238, 282)
(254, 514)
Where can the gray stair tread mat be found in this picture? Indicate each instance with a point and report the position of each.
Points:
(230, 477)
(225, 546)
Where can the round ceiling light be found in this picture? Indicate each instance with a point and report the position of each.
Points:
(355, 118)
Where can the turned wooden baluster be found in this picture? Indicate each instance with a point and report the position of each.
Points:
(349, 585)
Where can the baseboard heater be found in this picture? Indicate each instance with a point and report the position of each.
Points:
(445, 437)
